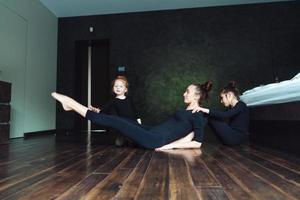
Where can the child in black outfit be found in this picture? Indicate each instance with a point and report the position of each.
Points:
(121, 104)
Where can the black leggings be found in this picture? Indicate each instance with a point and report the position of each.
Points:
(137, 132)
(227, 135)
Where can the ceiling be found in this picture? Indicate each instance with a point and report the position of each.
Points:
(70, 8)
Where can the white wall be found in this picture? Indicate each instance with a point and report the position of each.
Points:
(28, 57)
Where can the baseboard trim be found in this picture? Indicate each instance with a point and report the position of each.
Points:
(39, 133)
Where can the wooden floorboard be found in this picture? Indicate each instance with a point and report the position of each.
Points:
(285, 172)
(286, 186)
(212, 193)
(228, 182)
(43, 168)
(181, 184)
(259, 187)
(19, 184)
(132, 183)
(277, 153)
(272, 158)
(155, 184)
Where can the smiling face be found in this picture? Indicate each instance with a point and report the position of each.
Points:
(191, 95)
(119, 87)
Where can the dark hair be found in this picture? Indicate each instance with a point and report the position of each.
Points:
(231, 87)
(203, 90)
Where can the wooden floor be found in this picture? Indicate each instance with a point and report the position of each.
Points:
(42, 168)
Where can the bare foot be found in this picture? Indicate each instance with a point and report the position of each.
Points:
(166, 147)
(61, 98)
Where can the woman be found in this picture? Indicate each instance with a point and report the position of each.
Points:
(235, 131)
(176, 127)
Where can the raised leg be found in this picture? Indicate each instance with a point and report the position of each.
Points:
(70, 104)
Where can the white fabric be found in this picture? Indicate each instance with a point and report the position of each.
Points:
(274, 93)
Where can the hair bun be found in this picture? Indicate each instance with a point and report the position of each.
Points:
(231, 87)
(207, 86)
(232, 84)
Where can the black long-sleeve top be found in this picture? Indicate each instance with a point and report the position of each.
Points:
(238, 116)
(180, 124)
(122, 107)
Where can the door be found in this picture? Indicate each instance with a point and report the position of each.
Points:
(92, 77)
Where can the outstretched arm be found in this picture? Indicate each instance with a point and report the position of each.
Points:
(241, 107)
(201, 109)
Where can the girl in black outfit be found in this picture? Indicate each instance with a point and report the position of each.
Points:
(121, 104)
(235, 131)
(176, 127)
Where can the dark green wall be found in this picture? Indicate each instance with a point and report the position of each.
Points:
(165, 51)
